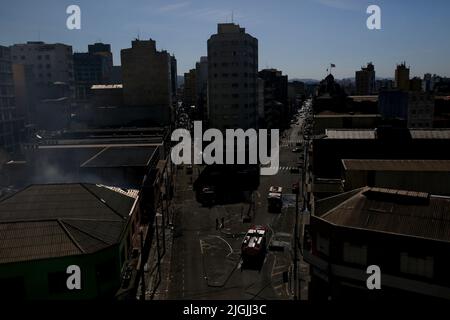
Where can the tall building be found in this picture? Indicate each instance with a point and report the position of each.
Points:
(232, 78)
(92, 67)
(201, 68)
(146, 75)
(190, 92)
(276, 109)
(8, 122)
(173, 76)
(402, 77)
(365, 80)
(50, 63)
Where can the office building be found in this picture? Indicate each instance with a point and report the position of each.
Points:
(146, 75)
(276, 108)
(232, 78)
(50, 63)
(201, 68)
(9, 130)
(92, 67)
(402, 77)
(415, 108)
(190, 86)
(365, 80)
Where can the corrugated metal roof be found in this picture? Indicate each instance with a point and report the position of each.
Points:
(370, 134)
(44, 221)
(34, 240)
(396, 165)
(395, 211)
(121, 156)
(349, 134)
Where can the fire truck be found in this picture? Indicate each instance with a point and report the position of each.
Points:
(254, 243)
(274, 199)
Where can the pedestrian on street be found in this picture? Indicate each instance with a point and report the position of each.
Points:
(217, 224)
(223, 222)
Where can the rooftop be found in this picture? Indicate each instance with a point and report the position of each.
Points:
(369, 134)
(122, 156)
(106, 86)
(47, 221)
(401, 212)
(397, 165)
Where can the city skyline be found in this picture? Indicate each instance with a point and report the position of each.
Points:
(314, 33)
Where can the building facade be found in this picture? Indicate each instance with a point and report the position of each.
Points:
(395, 230)
(92, 67)
(146, 75)
(365, 80)
(50, 63)
(402, 77)
(276, 108)
(9, 135)
(232, 78)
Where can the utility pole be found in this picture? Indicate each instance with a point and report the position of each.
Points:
(297, 192)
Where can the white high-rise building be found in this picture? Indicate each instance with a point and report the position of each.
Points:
(232, 78)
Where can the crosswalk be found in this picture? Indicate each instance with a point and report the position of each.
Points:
(291, 143)
(286, 169)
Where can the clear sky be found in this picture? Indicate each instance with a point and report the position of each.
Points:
(300, 37)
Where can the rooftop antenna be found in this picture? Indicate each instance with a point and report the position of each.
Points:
(232, 16)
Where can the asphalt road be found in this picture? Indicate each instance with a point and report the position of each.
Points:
(206, 262)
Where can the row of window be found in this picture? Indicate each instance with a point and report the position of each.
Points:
(234, 54)
(234, 85)
(233, 64)
(235, 75)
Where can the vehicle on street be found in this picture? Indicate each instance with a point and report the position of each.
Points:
(297, 150)
(254, 244)
(274, 199)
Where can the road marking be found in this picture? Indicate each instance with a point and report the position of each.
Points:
(201, 246)
(229, 246)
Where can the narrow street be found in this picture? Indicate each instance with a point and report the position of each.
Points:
(206, 262)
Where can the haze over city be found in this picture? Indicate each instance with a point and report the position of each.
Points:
(300, 37)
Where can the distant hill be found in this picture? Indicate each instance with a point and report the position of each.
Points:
(306, 81)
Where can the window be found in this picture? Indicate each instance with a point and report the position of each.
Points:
(420, 266)
(354, 254)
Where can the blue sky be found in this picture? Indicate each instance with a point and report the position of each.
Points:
(299, 37)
